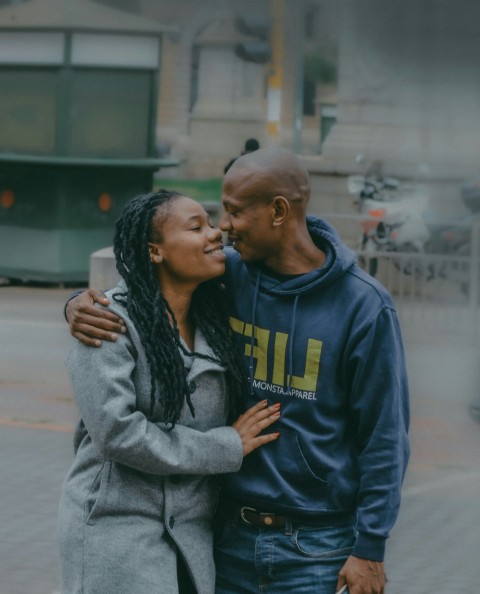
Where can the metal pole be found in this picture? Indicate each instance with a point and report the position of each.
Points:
(299, 12)
(275, 80)
(475, 276)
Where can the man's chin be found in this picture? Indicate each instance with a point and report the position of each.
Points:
(245, 255)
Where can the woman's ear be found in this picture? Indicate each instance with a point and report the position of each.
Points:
(155, 256)
(281, 209)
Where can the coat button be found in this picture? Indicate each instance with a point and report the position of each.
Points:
(171, 522)
(192, 386)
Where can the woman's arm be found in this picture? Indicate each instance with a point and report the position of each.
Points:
(106, 398)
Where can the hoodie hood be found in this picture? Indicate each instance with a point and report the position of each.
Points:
(339, 258)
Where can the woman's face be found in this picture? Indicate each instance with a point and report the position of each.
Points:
(190, 250)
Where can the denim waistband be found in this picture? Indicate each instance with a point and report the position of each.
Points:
(274, 520)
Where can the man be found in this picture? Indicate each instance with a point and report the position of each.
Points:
(311, 511)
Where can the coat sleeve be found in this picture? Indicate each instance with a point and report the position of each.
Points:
(105, 395)
(379, 408)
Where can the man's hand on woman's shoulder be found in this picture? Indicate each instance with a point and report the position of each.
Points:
(91, 324)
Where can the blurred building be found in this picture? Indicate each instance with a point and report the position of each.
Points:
(393, 80)
(78, 97)
(211, 99)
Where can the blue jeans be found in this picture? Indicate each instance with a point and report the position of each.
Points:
(303, 560)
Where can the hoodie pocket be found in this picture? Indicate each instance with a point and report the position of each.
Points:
(291, 460)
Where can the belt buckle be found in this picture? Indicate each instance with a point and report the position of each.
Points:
(242, 512)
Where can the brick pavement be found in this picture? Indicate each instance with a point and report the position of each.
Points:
(433, 548)
(33, 463)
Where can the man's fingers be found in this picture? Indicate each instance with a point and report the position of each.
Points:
(93, 332)
(98, 296)
(110, 323)
(97, 314)
(83, 338)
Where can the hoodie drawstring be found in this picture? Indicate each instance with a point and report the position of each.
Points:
(252, 338)
(290, 346)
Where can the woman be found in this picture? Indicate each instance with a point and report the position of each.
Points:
(138, 502)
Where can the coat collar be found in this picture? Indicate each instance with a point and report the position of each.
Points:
(197, 365)
(194, 365)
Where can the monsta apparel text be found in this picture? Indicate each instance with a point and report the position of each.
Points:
(271, 371)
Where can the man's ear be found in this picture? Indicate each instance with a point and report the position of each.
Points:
(281, 210)
(155, 255)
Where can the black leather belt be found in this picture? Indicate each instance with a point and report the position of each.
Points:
(251, 516)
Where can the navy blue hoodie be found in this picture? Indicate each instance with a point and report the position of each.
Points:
(327, 345)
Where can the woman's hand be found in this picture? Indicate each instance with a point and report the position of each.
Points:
(90, 324)
(253, 421)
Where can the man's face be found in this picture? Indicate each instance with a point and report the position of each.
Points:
(247, 216)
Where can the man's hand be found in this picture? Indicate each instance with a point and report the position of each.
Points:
(362, 576)
(90, 324)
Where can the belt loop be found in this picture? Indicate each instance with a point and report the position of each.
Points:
(288, 526)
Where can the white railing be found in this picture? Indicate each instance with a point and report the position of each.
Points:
(432, 291)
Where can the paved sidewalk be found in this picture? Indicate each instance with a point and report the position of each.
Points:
(37, 416)
(432, 550)
(434, 546)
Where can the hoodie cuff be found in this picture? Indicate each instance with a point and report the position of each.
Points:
(369, 547)
(76, 293)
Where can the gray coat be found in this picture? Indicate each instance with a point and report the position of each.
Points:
(137, 492)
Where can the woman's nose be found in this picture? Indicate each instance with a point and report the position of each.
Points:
(215, 234)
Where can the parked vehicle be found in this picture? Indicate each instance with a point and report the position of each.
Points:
(394, 217)
(397, 216)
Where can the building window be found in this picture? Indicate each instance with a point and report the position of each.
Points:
(29, 104)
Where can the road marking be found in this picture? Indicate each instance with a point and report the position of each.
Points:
(33, 323)
(25, 424)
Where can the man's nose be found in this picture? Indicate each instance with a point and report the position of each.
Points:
(224, 222)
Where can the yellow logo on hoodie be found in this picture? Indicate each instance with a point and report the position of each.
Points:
(262, 336)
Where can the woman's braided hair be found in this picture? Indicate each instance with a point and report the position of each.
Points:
(151, 313)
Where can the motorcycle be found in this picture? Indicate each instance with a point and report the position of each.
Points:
(394, 218)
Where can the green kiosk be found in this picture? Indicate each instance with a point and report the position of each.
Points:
(78, 100)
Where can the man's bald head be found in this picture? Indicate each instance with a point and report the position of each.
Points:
(273, 172)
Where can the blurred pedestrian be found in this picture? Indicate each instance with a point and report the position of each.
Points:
(251, 145)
